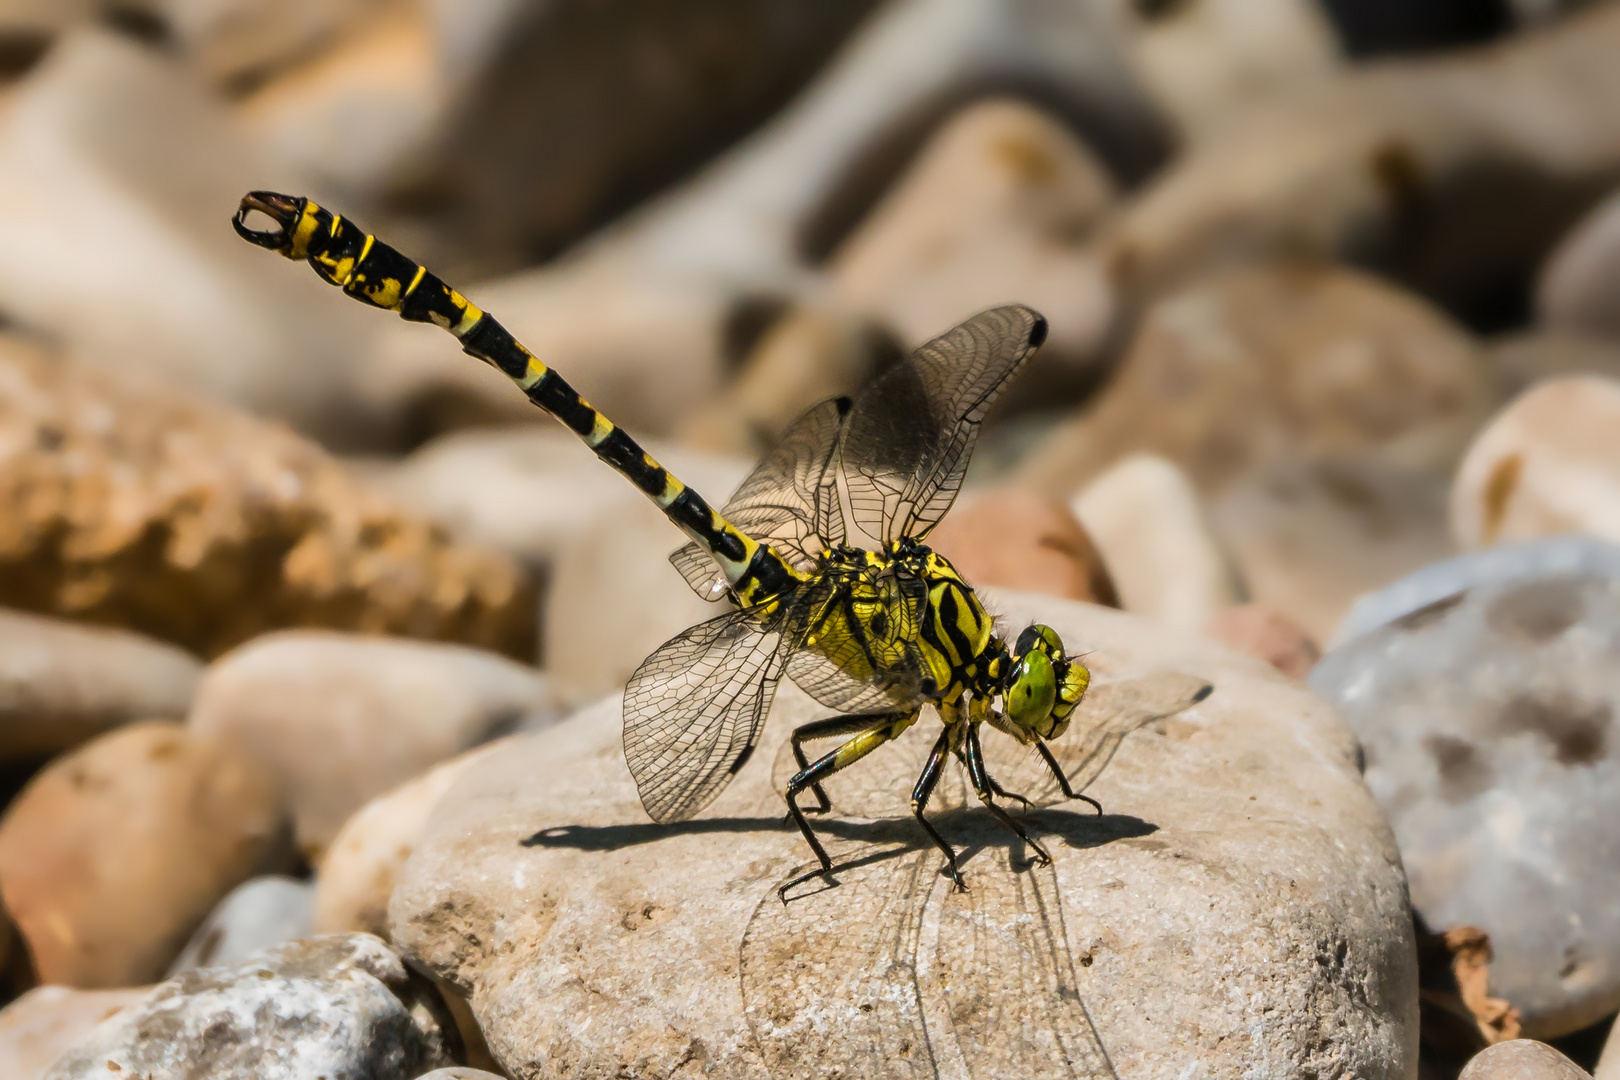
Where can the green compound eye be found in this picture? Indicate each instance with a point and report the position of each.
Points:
(1039, 638)
(1033, 692)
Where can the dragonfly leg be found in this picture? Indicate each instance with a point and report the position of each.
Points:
(919, 802)
(1063, 781)
(827, 729)
(986, 789)
(874, 732)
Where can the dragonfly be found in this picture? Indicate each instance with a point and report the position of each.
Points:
(875, 633)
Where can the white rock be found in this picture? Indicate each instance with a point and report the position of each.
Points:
(1150, 528)
(255, 915)
(340, 718)
(1549, 463)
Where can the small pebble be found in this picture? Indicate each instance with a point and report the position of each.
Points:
(1522, 1059)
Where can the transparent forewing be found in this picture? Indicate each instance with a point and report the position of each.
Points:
(856, 644)
(694, 710)
(1112, 711)
(908, 439)
(789, 501)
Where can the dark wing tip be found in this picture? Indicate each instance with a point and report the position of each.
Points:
(1037, 333)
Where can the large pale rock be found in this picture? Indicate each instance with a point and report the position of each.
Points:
(1458, 172)
(113, 854)
(339, 718)
(529, 491)
(1022, 540)
(1240, 907)
(255, 915)
(1283, 361)
(62, 683)
(1549, 463)
(363, 863)
(233, 41)
(106, 147)
(337, 1006)
(1577, 290)
(130, 504)
(996, 206)
(1157, 544)
(38, 1027)
(1487, 722)
(614, 597)
(1522, 1059)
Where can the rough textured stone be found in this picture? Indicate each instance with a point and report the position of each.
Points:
(1021, 540)
(1156, 543)
(255, 915)
(1240, 907)
(1456, 173)
(114, 852)
(363, 863)
(108, 146)
(62, 683)
(997, 205)
(128, 504)
(341, 1007)
(529, 491)
(1487, 722)
(1522, 1059)
(38, 1027)
(1577, 290)
(1549, 463)
(1256, 630)
(339, 718)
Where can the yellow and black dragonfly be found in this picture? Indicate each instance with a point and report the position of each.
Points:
(874, 632)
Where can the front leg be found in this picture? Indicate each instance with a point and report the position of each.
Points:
(1063, 781)
(986, 789)
(875, 730)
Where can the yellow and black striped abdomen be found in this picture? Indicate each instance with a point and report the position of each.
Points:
(376, 274)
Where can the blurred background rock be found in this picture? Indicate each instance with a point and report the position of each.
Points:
(1334, 288)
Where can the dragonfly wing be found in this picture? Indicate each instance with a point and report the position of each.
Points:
(1112, 711)
(789, 501)
(694, 709)
(908, 439)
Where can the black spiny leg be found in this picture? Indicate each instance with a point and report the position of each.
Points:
(827, 729)
(919, 801)
(875, 730)
(1063, 781)
(986, 789)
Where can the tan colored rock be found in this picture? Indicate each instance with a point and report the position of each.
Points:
(1157, 544)
(1403, 162)
(530, 490)
(1522, 1059)
(128, 504)
(1017, 539)
(114, 852)
(235, 41)
(1241, 901)
(107, 146)
(337, 719)
(613, 597)
(24, 17)
(1608, 1064)
(1547, 464)
(1282, 361)
(62, 683)
(38, 1027)
(1210, 62)
(1522, 360)
(1258, 631)
(364, 860)
(1577, 291)
(996, 207)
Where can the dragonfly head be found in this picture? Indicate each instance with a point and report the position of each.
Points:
(1043, 685)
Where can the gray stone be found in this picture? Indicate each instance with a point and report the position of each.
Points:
(1577, 291)
(342, 1007)
(255, 915)
(1487, 722)
(1558, 555)
(340, 718)
(62, 683)
(1522, 1059)
(1240, 910)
